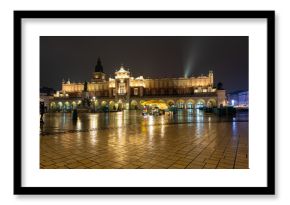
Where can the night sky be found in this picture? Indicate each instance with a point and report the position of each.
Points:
(152, 57)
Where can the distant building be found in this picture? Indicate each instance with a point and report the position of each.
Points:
(238, 99)
(126, 92)
(46, 95)
(48, 91)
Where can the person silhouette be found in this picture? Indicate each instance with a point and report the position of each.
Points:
(41, 112)
(75, 115)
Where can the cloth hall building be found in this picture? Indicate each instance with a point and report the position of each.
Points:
(127, 92)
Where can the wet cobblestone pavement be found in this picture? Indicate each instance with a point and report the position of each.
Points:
(188, 140)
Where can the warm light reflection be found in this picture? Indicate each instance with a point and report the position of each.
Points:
(162, 127)
(94, 121)
(93, 137)
(79, 125)
(121, 139)
(119, 119)
(209, 123)
(199, 123)
(151, 126)
(131, 127)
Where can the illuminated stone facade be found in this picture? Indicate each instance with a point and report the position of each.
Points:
(126, 92)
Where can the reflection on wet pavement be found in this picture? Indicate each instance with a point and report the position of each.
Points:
(189, 139)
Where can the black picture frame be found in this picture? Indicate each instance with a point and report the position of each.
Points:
(269, 189)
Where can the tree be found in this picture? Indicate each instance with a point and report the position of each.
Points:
(220, 86)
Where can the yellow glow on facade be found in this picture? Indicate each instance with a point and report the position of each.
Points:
(135, 91)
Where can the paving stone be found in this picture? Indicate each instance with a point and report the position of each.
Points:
(137, 146)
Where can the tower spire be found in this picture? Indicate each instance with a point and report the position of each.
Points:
(99, 67)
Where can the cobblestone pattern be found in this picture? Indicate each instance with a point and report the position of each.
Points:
(180, 146)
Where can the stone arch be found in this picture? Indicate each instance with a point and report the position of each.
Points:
(112, 106)
(67, 106)
(127, 105)
(180, 103)
(134, 105)
(104, 106)
(74, 105)
(170, 103)
(52, 106)
(60, 106)
(119, 105)
(96, 103)
(200, 103)
(190, 104)
(104, 103)
(141, 102)
(211, 103)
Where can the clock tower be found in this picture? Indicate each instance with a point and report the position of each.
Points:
(99, 75)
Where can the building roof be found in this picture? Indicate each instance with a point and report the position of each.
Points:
(122, 70)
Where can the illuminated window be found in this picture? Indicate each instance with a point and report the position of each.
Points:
(114, 92)
(135, 91)
(122, 89)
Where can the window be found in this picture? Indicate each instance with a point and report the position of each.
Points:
(122, 89)
(135, 91)
(114, 92)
